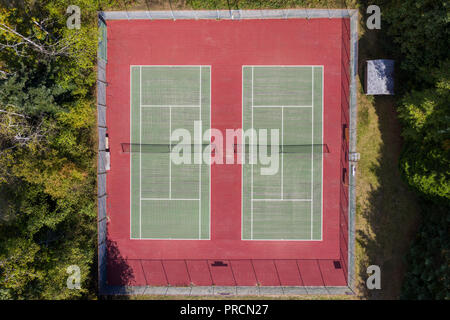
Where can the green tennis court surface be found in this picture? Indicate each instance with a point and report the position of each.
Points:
(171, 201)
(286, 205)
(168, 201)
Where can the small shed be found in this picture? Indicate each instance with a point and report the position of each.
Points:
(380, 77)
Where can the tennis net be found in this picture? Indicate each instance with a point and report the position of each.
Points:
(237, 148)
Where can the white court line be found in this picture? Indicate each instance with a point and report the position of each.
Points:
(169, 106)
(170, 175)
(171, 199)
(286, 66)
(242, 154)
(140, 169)
(209, 169)
(131, 157)
(282, 106)
(170, 154)
(140, 153)
(281, 200)
(282, 155)
(261, 239)
(312, 152)
(321, 192)
(200, 166)
(170, 65)
(312, 155)
(174, 239)
(252, 155)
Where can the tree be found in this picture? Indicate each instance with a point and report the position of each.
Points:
(47, 141)
(16, 267)
(425, 116)
(428, 275)
(421, 33)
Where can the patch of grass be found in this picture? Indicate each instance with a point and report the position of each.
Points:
(234, 4)
(387, 213)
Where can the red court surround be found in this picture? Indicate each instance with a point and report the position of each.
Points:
(227, 45)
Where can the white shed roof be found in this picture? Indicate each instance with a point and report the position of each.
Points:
(380, 77)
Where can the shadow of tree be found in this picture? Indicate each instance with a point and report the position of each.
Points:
(119, 273)
(387, 212)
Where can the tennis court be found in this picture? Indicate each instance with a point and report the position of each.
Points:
(168, 201)
(286, 205)
(221, 221)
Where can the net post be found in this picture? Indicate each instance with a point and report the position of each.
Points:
(126, 9)
(148, 10)
(101, 18)
(171, 11)
(229, 10)
(328, 10)
(344, 5)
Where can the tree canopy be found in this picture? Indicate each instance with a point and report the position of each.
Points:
(47, 141)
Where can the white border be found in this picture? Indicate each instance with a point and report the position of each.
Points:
(242, 165)
(312, 151)
(323, 112)
(164, 199)
(222, 14)
(278, 14)
(131, 156)
(140, 152)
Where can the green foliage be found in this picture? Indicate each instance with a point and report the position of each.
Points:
(421, 36)
(428, 276)
(266, 4)
(48, 182)
(51, 204)
(17, 267)
(33, 91)
(426, 116)
(420, 31)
